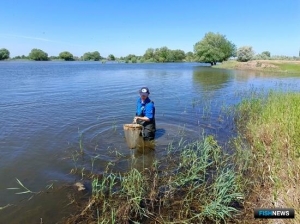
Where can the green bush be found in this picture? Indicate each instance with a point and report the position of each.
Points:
(245, 53)
(38, 55)
(4, 54)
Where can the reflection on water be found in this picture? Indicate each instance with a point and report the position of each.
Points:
(142, 158)
(58, 117)
(42, 208)
(210, 79)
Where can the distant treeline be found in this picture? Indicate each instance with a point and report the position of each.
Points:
(213, 48)
(162, 54)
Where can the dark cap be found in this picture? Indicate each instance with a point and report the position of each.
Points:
(144, 90)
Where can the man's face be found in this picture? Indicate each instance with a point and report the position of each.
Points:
(143, 96)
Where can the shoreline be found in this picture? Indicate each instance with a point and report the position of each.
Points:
(273, 170)
(280, 66)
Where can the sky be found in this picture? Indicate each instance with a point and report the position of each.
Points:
(131, 27)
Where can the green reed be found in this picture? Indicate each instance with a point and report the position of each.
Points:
(81, 149)
(196, 185)
(270, 129)
(133, 186)
(114, 125)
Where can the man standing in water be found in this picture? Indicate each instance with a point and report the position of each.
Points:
(145, 114)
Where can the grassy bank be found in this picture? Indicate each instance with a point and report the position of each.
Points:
(263, 65)
(270, 126)
(196, 183)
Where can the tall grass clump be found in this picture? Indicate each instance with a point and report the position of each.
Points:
(270, 128)
(197, 184)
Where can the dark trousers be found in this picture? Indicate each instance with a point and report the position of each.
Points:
(149, 129)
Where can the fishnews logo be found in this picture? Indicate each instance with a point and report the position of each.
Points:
(274, 213)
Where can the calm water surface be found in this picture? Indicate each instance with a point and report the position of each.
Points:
(48, 108)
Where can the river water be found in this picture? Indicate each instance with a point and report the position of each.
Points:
(50, 111)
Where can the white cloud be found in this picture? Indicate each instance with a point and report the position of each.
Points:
(40, 39)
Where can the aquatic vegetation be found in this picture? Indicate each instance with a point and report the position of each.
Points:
(114, 125)
(6, 206)
(25, 189)
(80, 142)
(197, 185)
(93, 161)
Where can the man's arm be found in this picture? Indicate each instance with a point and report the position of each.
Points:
(136, 118)
(149, 113)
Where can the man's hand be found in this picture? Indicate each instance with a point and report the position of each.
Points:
(135, 120)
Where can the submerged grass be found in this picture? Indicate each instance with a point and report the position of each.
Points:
(25, 189)
(201, 185)
(270, 126)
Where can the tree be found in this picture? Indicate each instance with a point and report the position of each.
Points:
(189, 56)
(149, 54)
(245, 53)
(170, 56)
(131, 58)
(111, 57)
(54, 57)
(163, 54)
(94, 56)
(67, 56)
(4, 54)
(87, 56)
(179, 55)
(214, 48)
(38, 55)
(266, 53)
(20, 57)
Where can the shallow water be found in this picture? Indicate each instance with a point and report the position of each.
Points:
(51, 110)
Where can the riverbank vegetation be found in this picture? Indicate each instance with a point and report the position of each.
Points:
(270, 127)
(212, 48)
(196, 183)
(283, 66)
